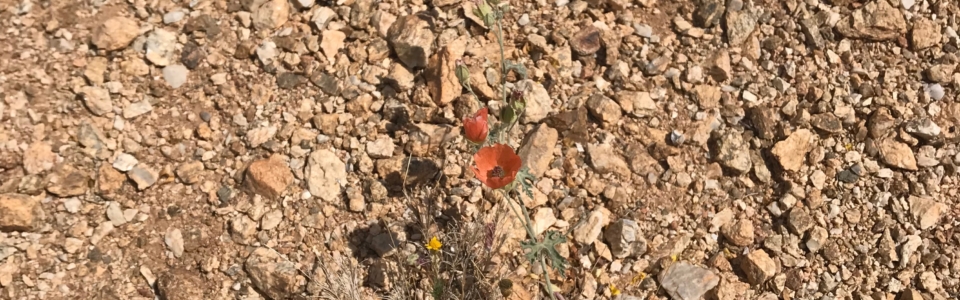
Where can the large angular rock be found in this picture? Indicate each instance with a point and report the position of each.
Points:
(269, 177)
(20, 213)
(115, 33)
(897, 155)
(181, 284)
(67, 181)
(441, 73)
(539, 101)
(733, 153)
(625, 239)
(536, 150)
(271, 14)
(412, 39)
(325, 173)
(758, 266)
(273, 276)
(792, 151)
(605, 160)
(684, 281)
(875, 21)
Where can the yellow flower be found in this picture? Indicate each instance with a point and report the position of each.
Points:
(639, 278)
(614, 291)
(434, 244)
(675, 257)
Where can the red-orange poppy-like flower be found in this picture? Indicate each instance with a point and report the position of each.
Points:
(476, 127)
(496, 165)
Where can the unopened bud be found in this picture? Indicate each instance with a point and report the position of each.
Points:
(463, 74)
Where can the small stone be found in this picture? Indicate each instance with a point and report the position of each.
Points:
(115, 33)
(289, 80)
(539, 101)
(759, 267)
(20, 213)
(382, 147)
(897, 154)
(543, 219)
(174, 241)
(684, 281)
(273, 276)
(38, 158)
(718, 66)
(586, 41)
(708, 13)
(826, 122)
(137, 109)
(412, 39)
(175, 75)
(269, 177)
(67, 181)
(124, 162)
(191, 172)
(271, 219)
(267, 52)
(925, 34)
(707, 96)
(588, 231)
(321, 16)
(355, 200)
(811, 33)
(923, 128)
(181, 284)
(173, 17)
(926, 211)
(605, 160)
(270, 14)
(816, 239)
(799, 221)
(625, 239)
(325, 174)
(401, 77)
(739, 233)
(144, 177)
(792, 151)
(161, 46)
(304, 4)
(604, 109)
(739, 26)
(115, 214)
(257, 136)
(72, 245)
(934, 90)
(733, 152)
(331, 43)
(929, 282)
(97, 100)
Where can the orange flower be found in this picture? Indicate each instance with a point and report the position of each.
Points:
(476, 127)
(496, 165)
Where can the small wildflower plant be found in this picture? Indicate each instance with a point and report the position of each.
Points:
(496, 163)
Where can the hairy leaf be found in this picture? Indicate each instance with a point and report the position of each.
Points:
(547, 247)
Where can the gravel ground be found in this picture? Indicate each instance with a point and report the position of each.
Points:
(213, 149)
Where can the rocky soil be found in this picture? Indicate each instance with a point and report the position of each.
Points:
(213, 149)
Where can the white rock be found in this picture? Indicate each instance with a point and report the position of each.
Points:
(219, 78)
(174, 241)
(136, 109)
(175, 75)
(115, 214)
(101, 232)
(325, 172)
(321, 16)
(304, 3)
(173, 17)
(125, 162)
(97, 100)
(160, 47)
(271, 219)
(72, 205)
(267, 52)
(258, 136)
(382, 147)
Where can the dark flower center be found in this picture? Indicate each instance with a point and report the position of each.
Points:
(497, 172)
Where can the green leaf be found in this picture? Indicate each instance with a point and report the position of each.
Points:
(507, 115)
(526, 181)
(547, 247)
(515, 67)
(463, 74)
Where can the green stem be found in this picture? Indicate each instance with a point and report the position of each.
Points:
(533, 237)
(503, 76)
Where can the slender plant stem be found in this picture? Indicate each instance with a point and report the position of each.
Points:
(527, 224)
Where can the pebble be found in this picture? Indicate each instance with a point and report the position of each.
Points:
(683, 281)
(758, 266)
(524, 20)
(269, 177)
(588, 231)
(20, 213)
(144, 177)
(161, 46)
(97, 100)
(137, 109)
(412, 40)
(115, 214)
(625, 239)
(115, 33)
(272, 275)
(325, 174)
(175, 75)
(125, 162)
(173, 17)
